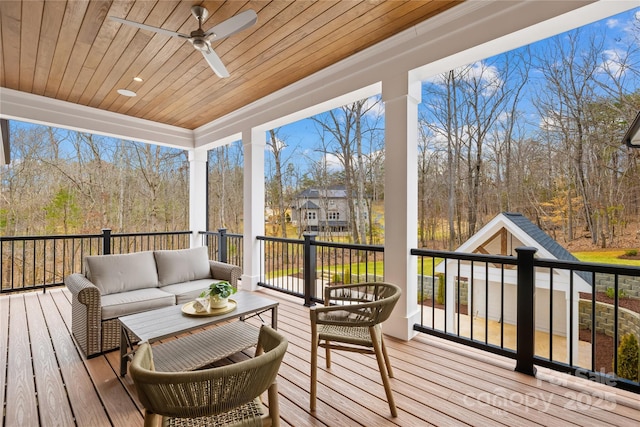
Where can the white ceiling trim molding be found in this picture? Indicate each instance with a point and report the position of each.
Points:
(473, 30)
(26, 107)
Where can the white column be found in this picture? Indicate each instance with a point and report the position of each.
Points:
(401, 97)
(197, 194)
(254, 143)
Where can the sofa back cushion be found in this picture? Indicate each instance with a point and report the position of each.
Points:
(119, 273)
(182, 265)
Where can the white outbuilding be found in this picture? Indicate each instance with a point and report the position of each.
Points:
(492, 289)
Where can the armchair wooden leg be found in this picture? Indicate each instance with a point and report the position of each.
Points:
(274, 406)
(151, 419)
(376, 337)
(327, 354)
(314, 366)
(386, 356)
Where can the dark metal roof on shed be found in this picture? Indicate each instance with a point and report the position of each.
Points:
(544, 240)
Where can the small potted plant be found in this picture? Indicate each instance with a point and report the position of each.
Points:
(218, 294)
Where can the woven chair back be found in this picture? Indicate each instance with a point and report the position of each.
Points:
(209, 391)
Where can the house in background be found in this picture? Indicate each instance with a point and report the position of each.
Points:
(485, 297)
(323, 210)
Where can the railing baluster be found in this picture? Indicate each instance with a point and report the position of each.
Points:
(616, 319)
(593, 322)
(551, 314)
(501, 305)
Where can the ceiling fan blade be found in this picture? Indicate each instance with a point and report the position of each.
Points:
(150, 28)
(216, 64)
(232, 25)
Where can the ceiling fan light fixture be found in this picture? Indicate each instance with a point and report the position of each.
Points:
(127, 92)
(137, 79)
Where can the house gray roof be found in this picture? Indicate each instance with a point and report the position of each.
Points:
(544, 240)
(334, 192)
(309, 205)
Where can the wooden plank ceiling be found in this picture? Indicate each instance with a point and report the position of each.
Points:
(70, 50)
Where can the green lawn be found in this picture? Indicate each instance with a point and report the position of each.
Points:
(606, 256)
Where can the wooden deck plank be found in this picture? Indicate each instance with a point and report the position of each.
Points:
(351, 375)
(537, 411)
(53, 402)
(117, 401)
(295, 414)
(22, 406)
(551, 397)
(436, 382)
(350, 366)
(85, 402)
(354, 374)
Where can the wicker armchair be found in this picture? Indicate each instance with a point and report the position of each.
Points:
(221, 396)
(355, 322)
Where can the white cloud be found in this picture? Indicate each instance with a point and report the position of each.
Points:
(374, 107)
(612, 23)
(332, 162)
(487, 76)
(613, 63)
(280, 144)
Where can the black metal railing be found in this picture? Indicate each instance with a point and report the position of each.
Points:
(38, 262)
(123, 243)
(537, 311)
(446, 299)
(304, 268)
(223, 246)
(568, 316)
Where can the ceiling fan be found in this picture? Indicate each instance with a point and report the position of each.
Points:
(200, 39)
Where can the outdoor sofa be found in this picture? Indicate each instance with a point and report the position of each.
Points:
(117, 285)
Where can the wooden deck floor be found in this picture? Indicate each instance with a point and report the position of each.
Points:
(45, 380)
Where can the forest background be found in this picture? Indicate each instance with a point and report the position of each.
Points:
(537, 130)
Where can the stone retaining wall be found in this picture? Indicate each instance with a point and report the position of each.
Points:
(628, 284)
(628, 321)
(428, 286)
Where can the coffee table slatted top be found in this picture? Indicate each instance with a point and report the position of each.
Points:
(166, 322)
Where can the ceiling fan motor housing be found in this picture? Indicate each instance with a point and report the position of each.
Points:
(200, 43)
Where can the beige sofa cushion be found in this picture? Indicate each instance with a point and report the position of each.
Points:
(124, 303)
(183, 265)
(120, 273)
(188, 291)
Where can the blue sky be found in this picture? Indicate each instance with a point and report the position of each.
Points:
(618, 34)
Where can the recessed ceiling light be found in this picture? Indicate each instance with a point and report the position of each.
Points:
(126, 92)
(137, 79)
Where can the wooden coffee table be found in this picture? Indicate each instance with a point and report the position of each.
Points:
(201, 348)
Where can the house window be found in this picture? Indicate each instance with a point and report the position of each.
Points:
(310, 215)
(334, 216)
